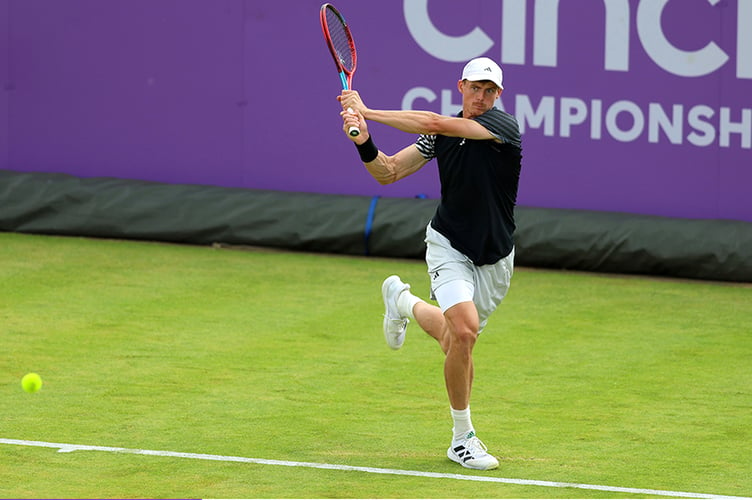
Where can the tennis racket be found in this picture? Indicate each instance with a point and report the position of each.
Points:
(341, 45)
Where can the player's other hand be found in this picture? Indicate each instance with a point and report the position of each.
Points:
(353, 118)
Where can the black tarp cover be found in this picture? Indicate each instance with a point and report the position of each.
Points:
(360, 225)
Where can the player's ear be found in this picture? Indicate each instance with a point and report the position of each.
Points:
(460, 85)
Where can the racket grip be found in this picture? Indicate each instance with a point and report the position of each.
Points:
(353, 131)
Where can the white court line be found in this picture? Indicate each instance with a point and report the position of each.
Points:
(68, 448)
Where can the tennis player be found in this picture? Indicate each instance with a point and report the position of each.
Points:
(470, 247)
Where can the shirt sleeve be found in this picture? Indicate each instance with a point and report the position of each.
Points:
(502, 125)
(426, 145)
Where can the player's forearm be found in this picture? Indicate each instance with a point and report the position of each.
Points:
(378, 164)
(387, 169)
(381, 169)
(413, 122)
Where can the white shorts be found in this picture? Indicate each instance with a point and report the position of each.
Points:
(455, 279)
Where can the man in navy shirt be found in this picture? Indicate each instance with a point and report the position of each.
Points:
(469, 241)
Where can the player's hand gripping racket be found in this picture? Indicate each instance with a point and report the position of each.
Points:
(340, 42)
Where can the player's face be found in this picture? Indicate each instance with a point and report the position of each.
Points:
(477, 97)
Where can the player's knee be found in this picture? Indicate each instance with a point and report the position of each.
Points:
(465, 335)
(463, 324)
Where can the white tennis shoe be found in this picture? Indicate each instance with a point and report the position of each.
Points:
(472, 453)
(395, 325)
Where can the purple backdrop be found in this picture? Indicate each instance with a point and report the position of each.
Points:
(626, 105)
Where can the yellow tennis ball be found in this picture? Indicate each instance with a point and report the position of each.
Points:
(31, 382)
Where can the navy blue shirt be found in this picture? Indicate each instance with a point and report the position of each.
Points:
(479, 181)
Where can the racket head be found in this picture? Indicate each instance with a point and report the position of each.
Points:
(340, 42)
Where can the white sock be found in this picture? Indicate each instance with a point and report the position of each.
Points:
(462, 423)
(405, 303)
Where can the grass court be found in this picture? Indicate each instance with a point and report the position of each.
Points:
(621, 381)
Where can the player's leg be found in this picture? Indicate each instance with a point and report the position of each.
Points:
(461, 332)
(401, 306)
(483, 288)
(432, 321)
(456, 330)
(491, 284)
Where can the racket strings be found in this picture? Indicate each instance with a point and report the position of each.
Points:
(341, 39)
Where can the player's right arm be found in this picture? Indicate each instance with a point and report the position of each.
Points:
(416, 122)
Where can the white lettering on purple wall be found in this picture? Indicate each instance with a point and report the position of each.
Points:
(648, 15)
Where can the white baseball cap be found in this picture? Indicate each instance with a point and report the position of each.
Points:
(483, 68)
